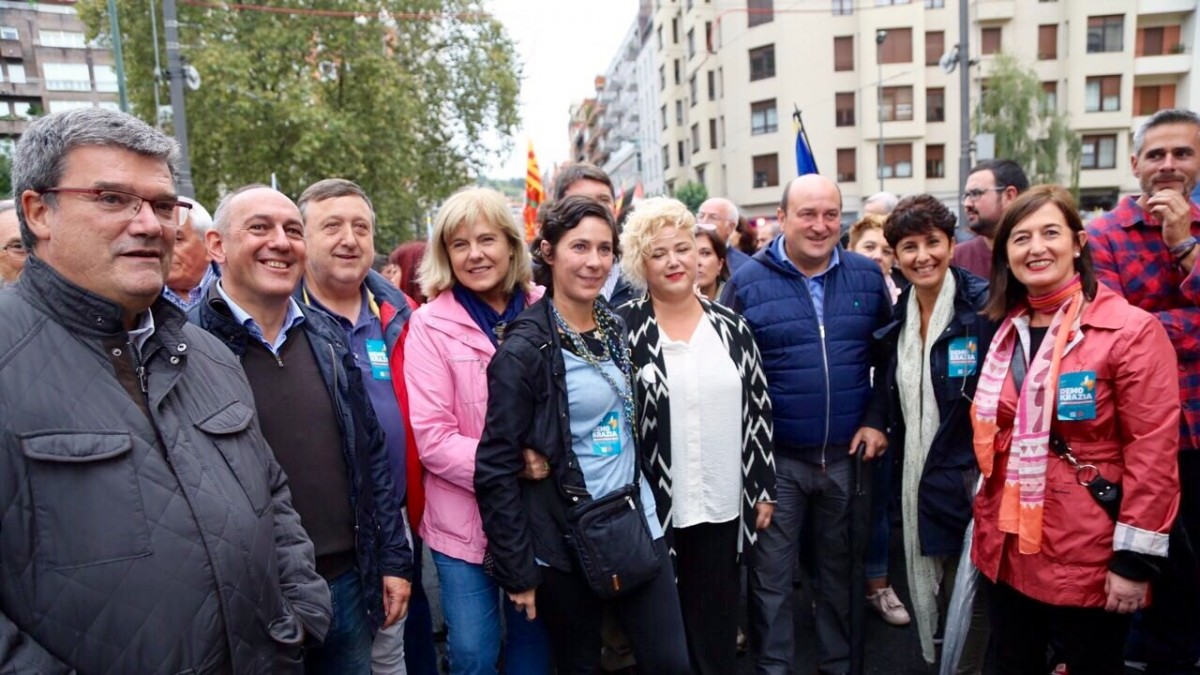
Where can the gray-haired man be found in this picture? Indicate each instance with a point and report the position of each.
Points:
(192, 268)
(144, 523)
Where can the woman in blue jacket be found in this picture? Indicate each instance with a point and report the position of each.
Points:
(935, 346)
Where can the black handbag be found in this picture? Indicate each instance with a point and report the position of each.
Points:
(612, 543)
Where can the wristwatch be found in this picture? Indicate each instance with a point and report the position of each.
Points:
(1183, 248)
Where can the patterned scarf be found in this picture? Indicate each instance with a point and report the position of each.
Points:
(1022, 499)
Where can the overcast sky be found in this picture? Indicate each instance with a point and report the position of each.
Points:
(564, 45)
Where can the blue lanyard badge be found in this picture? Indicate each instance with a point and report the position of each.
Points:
(1077, 396)
(964, 353)
(606, 437)
(380, 370)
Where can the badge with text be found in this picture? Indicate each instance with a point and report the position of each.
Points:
(964, 353)
(606, 437)
(379, 360)
(1077, 396)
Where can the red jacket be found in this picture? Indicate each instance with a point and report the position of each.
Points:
(1134, 440)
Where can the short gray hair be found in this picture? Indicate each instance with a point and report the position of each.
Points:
(885, 199)
(221, 215)
(41, 154)
(1168, 116)
(197, 215)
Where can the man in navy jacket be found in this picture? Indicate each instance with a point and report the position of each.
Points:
(813, 308)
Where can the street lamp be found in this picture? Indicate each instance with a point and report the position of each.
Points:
(880, 36)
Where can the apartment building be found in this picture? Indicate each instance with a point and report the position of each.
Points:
(47, 65)
(865, 74)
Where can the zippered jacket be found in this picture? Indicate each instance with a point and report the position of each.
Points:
(818, 368)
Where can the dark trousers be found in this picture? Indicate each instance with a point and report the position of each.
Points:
(650, 616)
(420, 655)
(707, 576)
(1170, 626)
(821, 494)
(1088, 639)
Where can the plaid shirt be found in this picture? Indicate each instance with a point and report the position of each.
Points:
(1131, 258)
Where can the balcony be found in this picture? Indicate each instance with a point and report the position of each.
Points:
(11, 49)
(12, 127)
(20, 89)
(1165, 7)
(1166, 64)
(995, 10)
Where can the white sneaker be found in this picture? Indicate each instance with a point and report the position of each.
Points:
(887, 603)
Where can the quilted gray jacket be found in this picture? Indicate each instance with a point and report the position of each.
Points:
(139, 536)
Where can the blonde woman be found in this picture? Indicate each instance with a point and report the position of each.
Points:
(704, 418)
(476, 273)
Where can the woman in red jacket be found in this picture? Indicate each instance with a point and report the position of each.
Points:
(1096, 401)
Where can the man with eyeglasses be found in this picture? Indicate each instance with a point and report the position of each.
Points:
(12, 261)
(720, 214)
(991, 186)
(192, 269)
(144, 523)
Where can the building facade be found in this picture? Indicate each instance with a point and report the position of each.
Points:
(730, 77)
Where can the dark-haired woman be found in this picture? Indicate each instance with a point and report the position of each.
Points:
(1078, 385)
(561, 384)
(712, 268)
(935, 346)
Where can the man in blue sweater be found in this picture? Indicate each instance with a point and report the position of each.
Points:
(813, 308)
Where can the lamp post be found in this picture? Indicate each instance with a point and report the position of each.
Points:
(880, 36)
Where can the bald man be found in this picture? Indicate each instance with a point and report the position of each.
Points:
(813, 308)
(721, 215)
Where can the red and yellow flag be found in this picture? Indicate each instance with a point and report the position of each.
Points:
(535, 194)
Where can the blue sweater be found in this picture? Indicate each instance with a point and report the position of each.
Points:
(818, 368)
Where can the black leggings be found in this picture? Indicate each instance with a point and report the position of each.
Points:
(650, 616)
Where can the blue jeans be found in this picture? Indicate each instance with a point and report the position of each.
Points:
(471, 603)
(347, 646)
(881, 526)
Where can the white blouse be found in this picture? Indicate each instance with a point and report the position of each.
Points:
(706, 428)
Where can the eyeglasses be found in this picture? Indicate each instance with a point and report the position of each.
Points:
(16, 249)
(127, 204)
(973, 195)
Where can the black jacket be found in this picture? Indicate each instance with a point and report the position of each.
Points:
(527, 408)
(948, 481)
(381, 546)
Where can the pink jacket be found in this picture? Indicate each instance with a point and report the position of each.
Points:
(445, 367)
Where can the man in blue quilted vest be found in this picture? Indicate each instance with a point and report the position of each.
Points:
(813, 307)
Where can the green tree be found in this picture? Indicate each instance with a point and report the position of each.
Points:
(1028, 130)
(693, 194)
(406, 97)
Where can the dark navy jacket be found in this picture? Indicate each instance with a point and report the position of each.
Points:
(947, 485)
(818, 371)
(381, 547)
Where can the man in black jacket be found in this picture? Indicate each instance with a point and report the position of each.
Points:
(145, 526)
(317, 417)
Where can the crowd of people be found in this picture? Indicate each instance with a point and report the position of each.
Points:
(231, 439)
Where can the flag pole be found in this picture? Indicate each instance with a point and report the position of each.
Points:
(796, 117)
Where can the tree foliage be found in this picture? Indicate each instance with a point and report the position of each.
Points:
(1028, 131)
(402, 98)
(693, 194)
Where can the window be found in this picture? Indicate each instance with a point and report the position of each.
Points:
(843, 53)
(712, 85)
(847, 159)
(16, 73)
(844, 107)
(723, 137)
(935, 4)
(1051, 90)
(935, 104)
(766, 170)
(106, 78)
(762, 63)
(897, 161)
(708, 37)
(897, 48)
(675, 31)
(1102, 94)
(700, 177)
(9, 33)
(1106, 33)
(760, 12)
(693, 90)
(26, 109)
(763, 118)
(989, 40)
(664, 116)
(712, 134)
(695, 138)
(682, 156)
(67, 77)
(935, 161)
(662, 78)
(691, 43)
(1099, 152)
(660, 41)
(61, 38)
(679, 112)
(1048, 42)
(843, 7)
(678, 72)
(1150, 99)
(666, 157)
(1151, 41)
(897, 104)
(60, 106)
(935, 46)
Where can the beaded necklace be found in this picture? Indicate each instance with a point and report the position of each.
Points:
(613, 348)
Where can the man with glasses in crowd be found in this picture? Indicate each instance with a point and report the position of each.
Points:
(144, 523)
(991, 186)
(12, 260)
